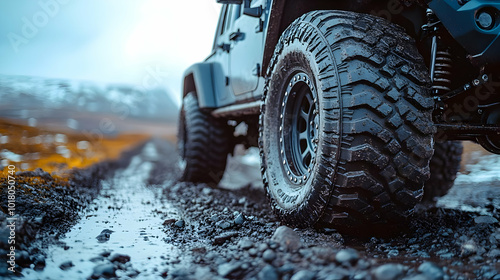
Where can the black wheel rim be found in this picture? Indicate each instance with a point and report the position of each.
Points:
(299, 126)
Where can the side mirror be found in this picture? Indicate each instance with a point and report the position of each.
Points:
(238, 2)
(252, 12)
(247, 10)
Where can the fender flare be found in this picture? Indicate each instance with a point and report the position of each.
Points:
(199, 79)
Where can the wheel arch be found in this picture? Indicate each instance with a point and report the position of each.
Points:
(198, 79)
(284, 12)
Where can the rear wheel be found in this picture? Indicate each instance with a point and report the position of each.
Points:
(345, 127)
(204, 143)
(444, 165)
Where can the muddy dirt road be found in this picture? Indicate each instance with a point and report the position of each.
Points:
(146, 225)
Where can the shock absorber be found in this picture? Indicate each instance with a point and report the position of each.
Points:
(441, 62)
(441, 77)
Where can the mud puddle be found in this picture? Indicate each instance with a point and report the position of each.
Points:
(125, 219)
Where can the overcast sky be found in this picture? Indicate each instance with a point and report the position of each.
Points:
(106, 40)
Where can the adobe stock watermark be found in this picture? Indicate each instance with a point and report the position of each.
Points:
(394, 7)
(11, 219)
(31, 26)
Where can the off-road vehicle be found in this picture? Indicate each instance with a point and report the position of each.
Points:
(356, 105)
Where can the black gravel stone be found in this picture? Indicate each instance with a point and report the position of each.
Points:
(104, 235)
(388, 272)
(104, 270)
(66, 265)
(287, 238)
(431, 270)
(348, 255)
(303, 275)
(268, 273)
(269, 255)
(120, 258)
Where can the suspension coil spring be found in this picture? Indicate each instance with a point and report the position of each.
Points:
(441, 82)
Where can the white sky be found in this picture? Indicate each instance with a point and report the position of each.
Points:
(106, 40)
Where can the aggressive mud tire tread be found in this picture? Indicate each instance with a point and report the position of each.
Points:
(444, 166)
(383, 107)
(207, 145)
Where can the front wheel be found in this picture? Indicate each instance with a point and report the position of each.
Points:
(345, 128)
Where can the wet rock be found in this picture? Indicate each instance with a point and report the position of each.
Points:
(269, 255)
(120, 258)
(220, 239)
(348, 255)
(485, 220)
(104, 270)
(179, 273)
(223, 224)
(286, 268)
(104, 235)
(262, 247)
(23, 259)
(106, 254)
(388, 272)
(66, 265)
(179, 223)
(39, 262)
(287, 238)
(494, 254)
(392, 253)
(303, 275)
(215, 218)
(227, 268)
(252, 252)
(268, 273)
(495, 238)
(169, 222)
(468, 248)
(239, 220)
(245, 244)
(431, 271)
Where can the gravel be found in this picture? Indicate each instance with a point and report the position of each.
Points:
(234, 234)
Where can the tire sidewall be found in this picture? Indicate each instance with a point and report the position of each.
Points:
(298, 206)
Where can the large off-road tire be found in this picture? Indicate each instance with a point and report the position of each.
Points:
(203, 143)
(444, 166)
(345, 126)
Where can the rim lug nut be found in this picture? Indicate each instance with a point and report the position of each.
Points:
(312, 123)
(288, 172)
(284, 162)
(305, 177)
(291, 178)
(295, 180)
(308, 170)
(300, 181)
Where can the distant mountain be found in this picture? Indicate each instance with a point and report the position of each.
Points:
(41, 100)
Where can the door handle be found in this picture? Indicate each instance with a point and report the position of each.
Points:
(235, 35)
